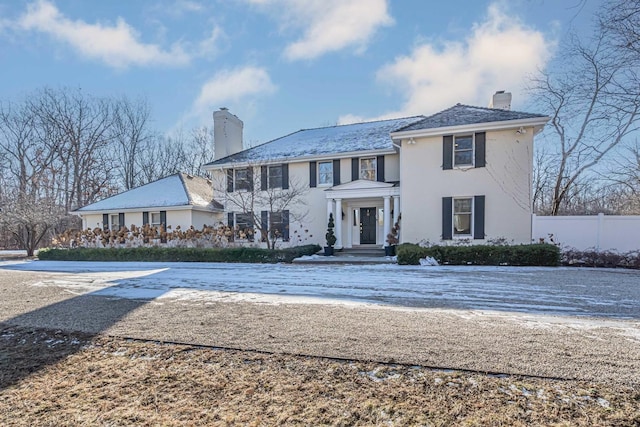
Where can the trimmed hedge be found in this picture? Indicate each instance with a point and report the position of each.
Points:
(539, 254)
(163, 254)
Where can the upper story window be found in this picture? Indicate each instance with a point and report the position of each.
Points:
(368, 168)
(463, 150)
(462, 215)
(242, 179)
(274, 176)
(325, 173)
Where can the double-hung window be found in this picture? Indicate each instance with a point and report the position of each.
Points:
(242, 179)
(276, 226)
(275, 176)
(368, 168)
(244, 226)
(462, 216)
(115, 222)
(463, 151)
(325, 173)
(156, 218)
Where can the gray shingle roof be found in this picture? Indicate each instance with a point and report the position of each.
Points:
(327, 140)
(171, 191)
(460, 114)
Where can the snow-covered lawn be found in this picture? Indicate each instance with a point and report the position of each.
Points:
(537, 290)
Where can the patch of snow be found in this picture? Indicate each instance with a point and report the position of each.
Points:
(429, 261)
(167, 191)
(326, 140)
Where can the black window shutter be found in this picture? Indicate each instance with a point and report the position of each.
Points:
(285, 226)
(285, 176)
(313, 167)
(447, 152)
(355, 168)
(145, 218)
(230, 225)
(105, 222)
(447, 218)
(229, 180)
(481, 149)
(263, 178)
(121, 219)
(163, 219)
(250, 177)
(478, 217)
(336, 172)
(264, 219)
(380, 169)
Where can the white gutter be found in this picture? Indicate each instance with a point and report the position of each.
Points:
(475, 127)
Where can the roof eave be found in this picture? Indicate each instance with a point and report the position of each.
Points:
(324, 156)
(486, 126)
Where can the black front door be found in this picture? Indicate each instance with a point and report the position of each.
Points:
(367, 226)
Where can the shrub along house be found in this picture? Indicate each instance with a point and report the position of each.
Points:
(176, 200)
(463, 173)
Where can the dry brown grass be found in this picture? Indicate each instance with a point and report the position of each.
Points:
(112, 381)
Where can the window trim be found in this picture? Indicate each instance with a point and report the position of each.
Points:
(471, 214)
(112, 223)
(250, 225)
(269, 168)
(319, 181)
(151, 223)
(375, 168)
(236, 181)
(473, 152)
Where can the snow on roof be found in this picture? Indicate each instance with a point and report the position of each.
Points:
(174, 190)
(327, 140)
(460, 114)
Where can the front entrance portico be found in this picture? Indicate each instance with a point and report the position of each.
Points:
(351, 201)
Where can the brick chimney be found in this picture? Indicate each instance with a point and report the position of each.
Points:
(501, 100)
(227, 133)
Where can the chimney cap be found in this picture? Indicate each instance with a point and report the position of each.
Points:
(224, 109)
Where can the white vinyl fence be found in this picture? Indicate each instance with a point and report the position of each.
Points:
(600, 232)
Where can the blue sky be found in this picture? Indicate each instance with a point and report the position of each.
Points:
(283, 65)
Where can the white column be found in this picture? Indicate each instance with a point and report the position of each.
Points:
(396, 212)
(329, 210)
(349, 227)
(338, 221)
(386, 222)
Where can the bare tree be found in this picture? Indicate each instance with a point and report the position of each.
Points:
(29, 219)
(132, 136)
(594, 104)
(267, 202)
(78, 126)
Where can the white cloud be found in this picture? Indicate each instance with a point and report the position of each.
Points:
(498, 54)
(116, 45)
(328, 25)
(231, 88)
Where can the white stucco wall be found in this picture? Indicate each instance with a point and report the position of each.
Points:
(182, 217)
(505, 182)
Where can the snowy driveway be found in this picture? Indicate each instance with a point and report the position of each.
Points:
(562, 291)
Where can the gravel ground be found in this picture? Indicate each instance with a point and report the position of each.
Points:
(598, 350)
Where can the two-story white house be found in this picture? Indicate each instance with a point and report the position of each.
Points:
(463, 173)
